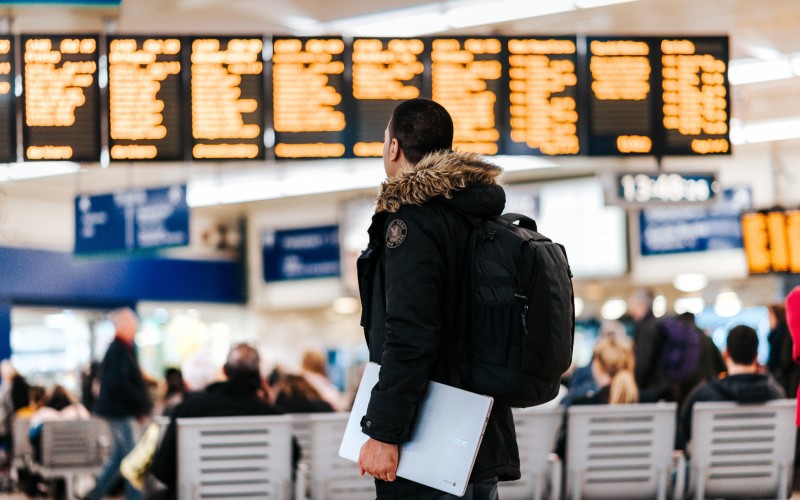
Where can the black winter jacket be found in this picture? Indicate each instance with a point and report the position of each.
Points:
(123, 393)
(415, 303)
(744, 388)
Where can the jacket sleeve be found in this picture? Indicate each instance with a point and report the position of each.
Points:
(414, 274)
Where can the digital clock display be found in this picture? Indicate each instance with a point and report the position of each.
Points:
(666, 188)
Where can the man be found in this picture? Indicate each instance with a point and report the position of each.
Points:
(236, 396)
(647, 343)
(744, 383)
(415, 299)
(123, 398)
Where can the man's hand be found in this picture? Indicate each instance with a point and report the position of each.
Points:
(378, 460)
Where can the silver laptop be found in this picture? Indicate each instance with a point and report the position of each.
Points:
(445, 438)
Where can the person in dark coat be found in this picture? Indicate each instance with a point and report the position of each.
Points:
(297, 395)
(414, 302)
(780, 362)
(647, 343)
(743, 383)
(236, 396)
(123, 399)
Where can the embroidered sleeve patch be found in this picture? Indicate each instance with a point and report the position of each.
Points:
(396, 233)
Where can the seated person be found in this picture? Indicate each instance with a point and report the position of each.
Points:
(744, 383)
(296, 395)
(612, 370)
(582, 382)
(236, 396)
(59, 404)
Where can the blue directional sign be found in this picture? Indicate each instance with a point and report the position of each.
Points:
(695, 229)
(136, 219)
(306, 253)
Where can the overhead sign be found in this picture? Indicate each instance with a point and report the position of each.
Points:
(667, 188)
(136, 219)
(294, 254)
(772, 241)
(676, 230)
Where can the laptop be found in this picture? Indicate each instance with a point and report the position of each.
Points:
(445, 438)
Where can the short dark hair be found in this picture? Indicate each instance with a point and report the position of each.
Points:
(421, 127)
(244, 366)
(742, 345)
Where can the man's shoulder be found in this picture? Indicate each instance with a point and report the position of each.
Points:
(209, 404)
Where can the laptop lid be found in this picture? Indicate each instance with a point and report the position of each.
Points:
(445, 438)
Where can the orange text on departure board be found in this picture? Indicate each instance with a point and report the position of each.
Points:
(793, 237)
(217, 105)
(621, 72)
(694, 95)
(756, 242)
(385, 71)
(53, 89)
(5, 67)
(134, 80)
(541, 116)
(459, 84)
(303, 101)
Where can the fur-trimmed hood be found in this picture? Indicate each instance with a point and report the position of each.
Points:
(437, 174)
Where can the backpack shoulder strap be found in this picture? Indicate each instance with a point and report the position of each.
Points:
(524, 221)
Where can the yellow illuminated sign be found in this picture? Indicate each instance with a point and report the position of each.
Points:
(60, 79)
(461, 71)
(382, 72)
(772, 241)
(543, 104)
(694, 95)
(219, 110)
(304, 100)
(137, 73)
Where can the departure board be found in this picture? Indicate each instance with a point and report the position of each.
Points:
(466, 78)
(772, 241)
(8, 108)
(696, 114)
(307, 103)
(145, 98)
(61, 114)
(621, 101)
(543, 99)
(227, 98)
(385, 72)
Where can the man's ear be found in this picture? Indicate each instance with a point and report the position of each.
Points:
(394, 150)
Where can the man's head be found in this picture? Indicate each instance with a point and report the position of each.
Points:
(126, 323)
(417, 127)
(742, 349)
(640, 304)
(244, 366)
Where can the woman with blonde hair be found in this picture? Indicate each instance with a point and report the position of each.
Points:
(612, 368)
(314, 370)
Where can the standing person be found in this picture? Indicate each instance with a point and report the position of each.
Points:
(414, 302)
(647, 342)
(122, 400)
(780, 363)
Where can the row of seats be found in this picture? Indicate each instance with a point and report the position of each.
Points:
(623, 451)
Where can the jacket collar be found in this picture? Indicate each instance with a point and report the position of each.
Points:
(437, 174)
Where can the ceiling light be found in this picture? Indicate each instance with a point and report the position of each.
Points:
(690, 282)
(613, 308)
(412, 21)
(579, 304)
(694, 305)
(796, 65)
(346, 305)
(775, 130)
(744, 71)
(727, 304)
(588, 4)
(659, 306)
(737, 132)
(467, 15)
(34, 170)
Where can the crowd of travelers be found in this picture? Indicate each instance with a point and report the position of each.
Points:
(652, 359)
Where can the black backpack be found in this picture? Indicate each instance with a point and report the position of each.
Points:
(523, 318)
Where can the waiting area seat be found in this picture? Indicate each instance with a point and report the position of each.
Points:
(742, 451)
(327, 476)
(235, 457)
(69, 449)
(620, 451)
(537, 430)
